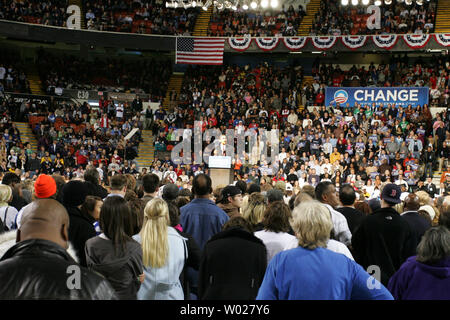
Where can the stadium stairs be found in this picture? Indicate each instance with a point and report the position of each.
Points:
(35, 83)
(443, 17)
(79, 3)
(146, 150)
(26, 135)
(311, 9)
(202, 23)
(175, 83)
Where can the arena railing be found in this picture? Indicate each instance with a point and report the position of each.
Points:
(166, 43)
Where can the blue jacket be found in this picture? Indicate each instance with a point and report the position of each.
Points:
(202, 219)
(164, 283)
(319, 274)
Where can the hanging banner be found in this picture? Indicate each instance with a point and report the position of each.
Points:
(240, 44)
(295, 43)
(443, 39)
(385, 41)
(354, 42)
(416, 41)
(400, 96)
(267, 44)
(323, 43)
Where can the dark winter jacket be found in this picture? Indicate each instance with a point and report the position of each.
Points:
(120, 268)
(417, 223)
(233, 265)
(41, 269)
(81, 229)
(383, 239)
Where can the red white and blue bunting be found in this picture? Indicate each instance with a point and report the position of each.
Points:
(443, 39)
(267, 44)
(416, 41)
(240, 44)
(354, 42)
(385, 41)
(323, 43)
(295, 43)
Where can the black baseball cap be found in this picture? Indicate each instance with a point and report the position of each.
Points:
(391, 193)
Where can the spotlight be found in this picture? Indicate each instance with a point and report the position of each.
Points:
(344, 2)
(253, 5)
(378, 3)
(388, 2)
(245, 7)
(227, 4)
(194, 4)
(355, 2)
(274, 3)
(419, 2)
(408, 2)
(264, 3)
(365, 2)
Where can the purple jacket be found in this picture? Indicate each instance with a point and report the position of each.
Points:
(417, 281)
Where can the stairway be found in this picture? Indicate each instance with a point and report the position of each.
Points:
(26, 135)
(79, 3)
(202, 23)
(175, 83)
(306, 80)
(311, 9)
(146, 150)
(442, 24)
(35, 83)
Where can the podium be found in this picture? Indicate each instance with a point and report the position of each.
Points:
(220, 171)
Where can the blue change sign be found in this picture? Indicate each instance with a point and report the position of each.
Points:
(400, 96)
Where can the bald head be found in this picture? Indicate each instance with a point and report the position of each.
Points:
(412, 202)
(45, 219)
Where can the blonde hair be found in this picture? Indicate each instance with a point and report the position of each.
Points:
(155, 243)
(425, 199)
(255, 208)
(311, 222)
(5, 195)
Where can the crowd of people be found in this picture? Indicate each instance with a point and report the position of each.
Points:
(234, 23)
(12, 73)
(333, 18)
(49, 13)
(148, 17)
(71, 137)
(364, 145)
(139, 238)
(117, 75)
(401, 71)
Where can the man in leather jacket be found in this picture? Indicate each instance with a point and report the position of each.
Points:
(38, 265)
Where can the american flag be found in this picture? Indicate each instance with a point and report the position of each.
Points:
(199, 50)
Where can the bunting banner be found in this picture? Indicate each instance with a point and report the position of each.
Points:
(416, 41)
(443, 39)
(385, 41)
(295, 43)
(354, 42)
(240, 44)
(267, 44)
(323, 43)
